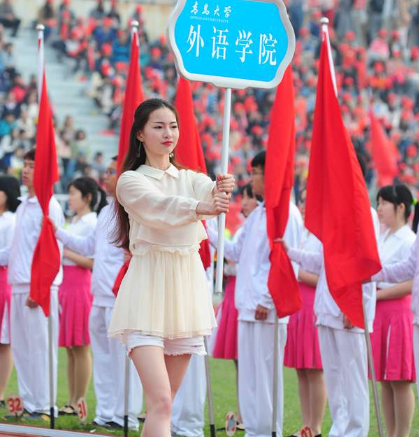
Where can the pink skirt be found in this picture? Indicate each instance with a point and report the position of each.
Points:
(5, 297)
(392, 340)
(226, 342)
(75, 299)
(302, 349)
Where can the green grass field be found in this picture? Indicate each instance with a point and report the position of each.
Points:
(223, 383)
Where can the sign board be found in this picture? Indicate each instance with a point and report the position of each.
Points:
(232, 43)
(82, 410)
(15, 405)
(230, 424)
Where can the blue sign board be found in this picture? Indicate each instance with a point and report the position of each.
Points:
(232, 43)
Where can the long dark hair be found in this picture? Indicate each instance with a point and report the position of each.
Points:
(136, 156)
(10, 186)
(398, 195)
(88, 186)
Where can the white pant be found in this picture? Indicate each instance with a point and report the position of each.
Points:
(109, 357)
(188, 405)
(345, 366)
(256, 369)
(416, 351)
(29, 341)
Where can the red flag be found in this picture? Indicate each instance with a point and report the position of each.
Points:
(279, 179)
(188, 150)
(133, 97)
(338, 209)
(46, 257)
(384, 153)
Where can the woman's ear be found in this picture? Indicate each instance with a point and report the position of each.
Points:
(88, 198)
(140, 136)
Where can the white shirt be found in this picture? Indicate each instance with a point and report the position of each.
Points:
(251, 251)
(7, 229)
(394, 247)
(404, 271)
(28, 227)
(108, 258)
(161, 205)
(326, 310)
(82, 227)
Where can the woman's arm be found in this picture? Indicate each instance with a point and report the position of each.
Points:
(80, 260)
(308, 278)
(395, 291)
(153, 209)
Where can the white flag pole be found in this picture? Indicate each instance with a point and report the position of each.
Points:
(324, 24)
(275, 378)
(224, 169)
(134, 34)
(41, 28)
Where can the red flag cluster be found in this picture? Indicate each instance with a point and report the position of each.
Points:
(338, 209)
(188, 150)
(279, 180)
(46, 259)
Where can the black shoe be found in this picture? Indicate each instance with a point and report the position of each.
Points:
(113, 426)
(94, 423)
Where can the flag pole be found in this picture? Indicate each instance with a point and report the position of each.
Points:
(209, 393)
(275, 378)
(41, 28)
(224, 169)
(134, 31)
(324, 24)
(372, 372)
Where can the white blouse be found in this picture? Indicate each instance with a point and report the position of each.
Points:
(7, 228)
(162, 206)
(395, 247)
(81, 227)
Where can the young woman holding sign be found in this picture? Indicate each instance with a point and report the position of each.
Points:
(163, 308)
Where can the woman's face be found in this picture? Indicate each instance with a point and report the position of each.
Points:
(76, 201)
(302, 203)
(160, 134)
(248, 204)
(387, 213)
(3, 201)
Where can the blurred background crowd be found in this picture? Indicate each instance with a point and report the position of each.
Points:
(375, 45)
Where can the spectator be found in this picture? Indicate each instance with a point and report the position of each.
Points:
(8, 17)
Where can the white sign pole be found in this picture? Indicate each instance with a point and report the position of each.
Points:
(224, 169)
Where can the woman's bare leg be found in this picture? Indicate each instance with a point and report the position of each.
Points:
(317, 399)
(82, 372)
(404, 407)
(6, 366)
(151, 367)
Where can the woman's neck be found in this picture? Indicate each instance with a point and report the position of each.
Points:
(396, 227)
(83, 212)
(3, 209)
(160, 162)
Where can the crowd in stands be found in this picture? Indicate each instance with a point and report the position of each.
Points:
(376, 54)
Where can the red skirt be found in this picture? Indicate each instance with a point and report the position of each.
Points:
(75, 299)
(5, 297)
(392, 340)
(226, 341)
(302, 349)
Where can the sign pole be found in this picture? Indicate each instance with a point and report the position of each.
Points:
(224, 169)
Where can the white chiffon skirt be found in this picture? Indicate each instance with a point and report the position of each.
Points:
(165, 294)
